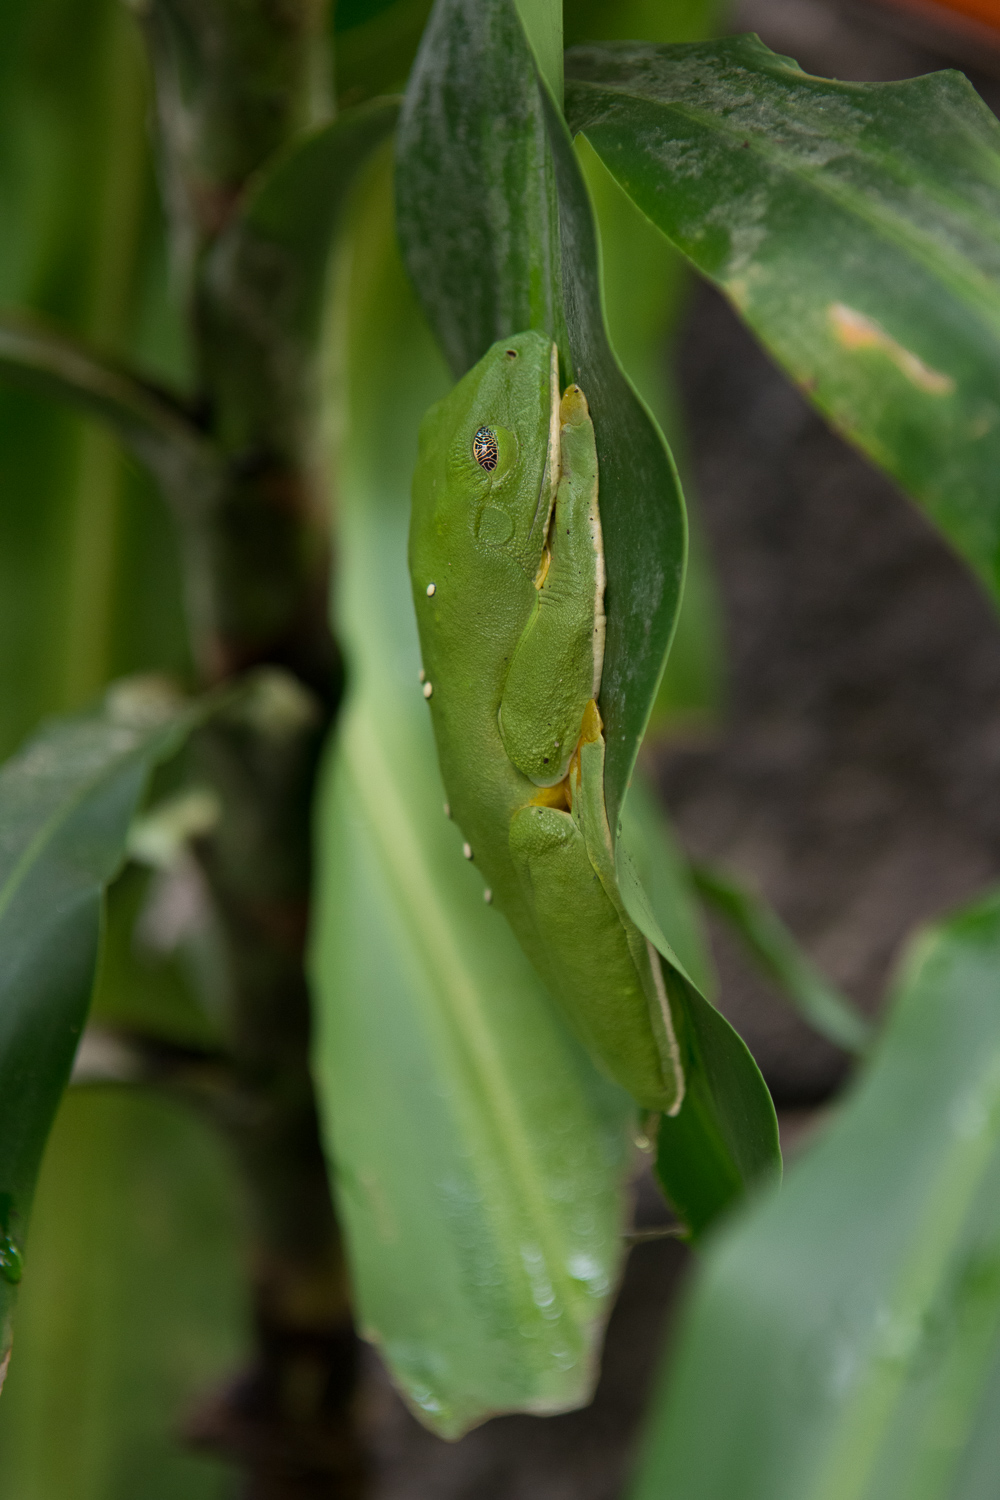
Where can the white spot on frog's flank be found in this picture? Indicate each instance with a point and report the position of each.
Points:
(431, 590)
(447, 809)
(467, 850)
(853, 330)
(488, 896)
(423, 675)
(428, 689)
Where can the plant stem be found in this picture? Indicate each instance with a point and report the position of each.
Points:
(235, 81)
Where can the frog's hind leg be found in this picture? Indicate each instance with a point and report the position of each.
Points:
(591, 966)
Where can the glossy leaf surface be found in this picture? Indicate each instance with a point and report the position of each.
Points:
(479, 1157)
(854, 227)
(843, 1340)
(65, 806)
(498, 235)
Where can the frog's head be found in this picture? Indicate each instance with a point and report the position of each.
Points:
(489, 454)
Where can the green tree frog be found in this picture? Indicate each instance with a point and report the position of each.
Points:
(507, 566)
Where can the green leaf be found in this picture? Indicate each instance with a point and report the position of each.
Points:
(843, 1339)
(498, 234)
(472, 138)
(66, 801)
(479, 1158)
(767, 938)
(854, 227)
(129, 1310)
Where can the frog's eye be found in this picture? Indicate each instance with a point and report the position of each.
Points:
(486, 449)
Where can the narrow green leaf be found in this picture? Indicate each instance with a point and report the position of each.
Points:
(855, 227)
(779, 955)
(843, 1340)
(65, 805)
(479, 1157)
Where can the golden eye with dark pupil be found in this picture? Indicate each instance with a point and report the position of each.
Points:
(485, 449)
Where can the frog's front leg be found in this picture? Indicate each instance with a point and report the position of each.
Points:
(556, 668)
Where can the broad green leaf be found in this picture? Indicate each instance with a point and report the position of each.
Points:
(478, 1156)
(767, 938)
(66, 801)
(498, 235)
(843, 1339)
(130, 1312)
(854, 227)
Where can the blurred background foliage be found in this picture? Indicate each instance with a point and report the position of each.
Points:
(133, 1307)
